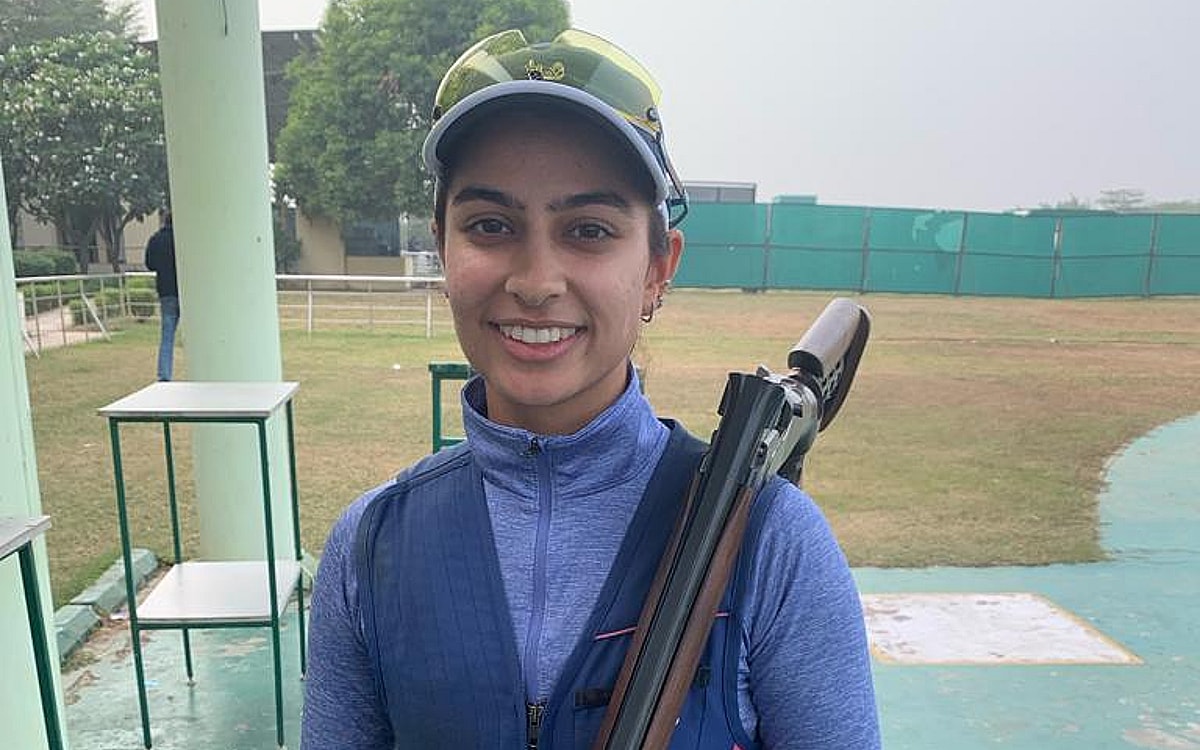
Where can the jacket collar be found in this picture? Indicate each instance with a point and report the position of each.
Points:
(622, 442)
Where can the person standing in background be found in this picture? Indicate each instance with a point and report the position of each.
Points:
(160, 258)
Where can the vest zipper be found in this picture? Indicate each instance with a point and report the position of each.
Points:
(534, 448)
(537, 613)
(533, 723)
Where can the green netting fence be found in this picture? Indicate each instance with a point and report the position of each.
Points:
(786, 246)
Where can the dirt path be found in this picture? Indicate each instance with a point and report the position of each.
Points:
(52, 329)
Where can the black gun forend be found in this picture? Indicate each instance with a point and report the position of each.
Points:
(768, 423)
(662, 659)
(829, 353)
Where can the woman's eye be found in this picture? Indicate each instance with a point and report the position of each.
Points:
(488, 226)
(590, 232)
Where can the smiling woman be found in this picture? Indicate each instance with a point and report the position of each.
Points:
(549, 275)
(486, 598)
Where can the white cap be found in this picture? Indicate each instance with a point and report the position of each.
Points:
(642, 142)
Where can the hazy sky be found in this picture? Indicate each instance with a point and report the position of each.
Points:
(979, 104)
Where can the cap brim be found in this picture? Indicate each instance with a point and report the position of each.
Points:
(514, 92)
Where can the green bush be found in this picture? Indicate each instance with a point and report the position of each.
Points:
(43, 263)
(49, 294)
(143, 304)
(27, 264)
(139, 282)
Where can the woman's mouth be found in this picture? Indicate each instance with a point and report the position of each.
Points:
(537, 334)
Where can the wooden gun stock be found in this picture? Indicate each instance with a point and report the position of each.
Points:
(768, 423)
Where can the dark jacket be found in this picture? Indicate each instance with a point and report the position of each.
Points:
(160, 258)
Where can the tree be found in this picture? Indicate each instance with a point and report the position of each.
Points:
(81, 123)
(23, 22)
(1175, 207)
(360, 105)
(1122, 200)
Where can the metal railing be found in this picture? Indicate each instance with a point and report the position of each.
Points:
(50, 319)
(395, 302)
(60, 310)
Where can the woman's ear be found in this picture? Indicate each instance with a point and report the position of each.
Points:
(659, 274)
(663, 266)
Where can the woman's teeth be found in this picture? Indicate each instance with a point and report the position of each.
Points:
(531, 335)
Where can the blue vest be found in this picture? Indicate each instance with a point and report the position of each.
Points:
(439, 634)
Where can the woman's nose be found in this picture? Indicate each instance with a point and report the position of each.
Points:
(537, 275)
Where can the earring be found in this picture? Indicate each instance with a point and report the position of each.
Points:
(658, 302)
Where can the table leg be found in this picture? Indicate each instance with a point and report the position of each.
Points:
(41, 649)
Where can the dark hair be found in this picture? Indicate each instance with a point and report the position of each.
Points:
(547, 109)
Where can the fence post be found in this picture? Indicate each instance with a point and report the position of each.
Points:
(1056, 262)
(62, 320)
(428, 312)
(866, 252)
(123, 297)
(1153, 253)
(308, 312)
(962, 249)
(37, 316)
(767, 236)
(370, 306)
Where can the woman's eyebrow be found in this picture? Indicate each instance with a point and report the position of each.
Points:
(490, 195)
(592, 198)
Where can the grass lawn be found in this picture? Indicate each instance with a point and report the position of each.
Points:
(976, 433)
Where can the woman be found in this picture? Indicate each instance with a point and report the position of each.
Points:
(485, 597)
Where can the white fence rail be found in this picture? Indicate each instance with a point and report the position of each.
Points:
(394, 302)
(56, 311)
(60, 310)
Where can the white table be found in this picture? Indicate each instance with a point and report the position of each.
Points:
(212, 594)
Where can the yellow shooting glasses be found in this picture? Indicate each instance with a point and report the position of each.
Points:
(576, 67)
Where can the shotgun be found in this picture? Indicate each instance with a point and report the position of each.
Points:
(768, 424)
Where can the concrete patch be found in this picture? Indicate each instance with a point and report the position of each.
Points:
(72, 624)
(988, 629)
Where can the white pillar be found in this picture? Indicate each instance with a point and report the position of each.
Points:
(21, 723)
(210, 60)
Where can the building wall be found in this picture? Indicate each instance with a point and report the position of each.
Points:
(362, 265)
(320, 246)
(34, 235)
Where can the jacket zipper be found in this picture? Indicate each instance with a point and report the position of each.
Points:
(535, 708)
(533, 723)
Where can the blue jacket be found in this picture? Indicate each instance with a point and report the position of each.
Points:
(558, 509)
(436, 620)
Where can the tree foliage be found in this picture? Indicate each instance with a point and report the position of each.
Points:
(1122, 200)
(82, 133)
(1175, 207)
(23, 22)
(360, 105)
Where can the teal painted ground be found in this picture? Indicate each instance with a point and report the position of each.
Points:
(1147, 597)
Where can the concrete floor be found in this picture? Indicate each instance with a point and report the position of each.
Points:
(1146, 599)
(231, 706)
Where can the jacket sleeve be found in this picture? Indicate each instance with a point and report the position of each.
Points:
(808, 658)
(341, 706)
(153, 251)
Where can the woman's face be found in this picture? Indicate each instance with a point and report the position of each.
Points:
(548, 267)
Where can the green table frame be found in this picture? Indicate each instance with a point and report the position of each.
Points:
(438, 372)
(221, 594)
(17, 535)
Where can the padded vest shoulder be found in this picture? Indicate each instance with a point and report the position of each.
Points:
(439, 634)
